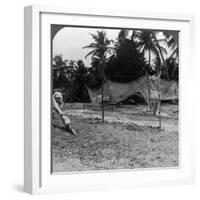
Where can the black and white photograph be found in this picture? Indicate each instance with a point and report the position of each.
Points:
(115, 98)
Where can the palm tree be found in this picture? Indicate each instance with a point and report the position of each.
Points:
(100, 49)
(171, 39)
(147, 45)
(161, 51)
(172, 42)
(100, 46)
(172, 62)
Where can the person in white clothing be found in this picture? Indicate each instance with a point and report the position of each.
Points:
(58, 103)
(154, 94)
(154, 101)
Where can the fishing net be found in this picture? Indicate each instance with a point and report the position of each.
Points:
(115, 92)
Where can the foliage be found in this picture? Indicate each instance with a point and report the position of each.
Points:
(133, 53)
(70, 76)
(94, 75)
(80, 93)
(171, 62)
(61, 72)
(172, 67)
(100, 46)
(149, 44)
(100, 50)
(128, 63)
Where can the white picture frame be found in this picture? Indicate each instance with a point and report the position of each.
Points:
(37, 174)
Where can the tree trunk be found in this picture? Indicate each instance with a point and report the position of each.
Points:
(159, 111)
(160, 80)
(162, 57)
(148, 83)
(133, 34)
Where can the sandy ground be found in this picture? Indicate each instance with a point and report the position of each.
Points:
(129, 138)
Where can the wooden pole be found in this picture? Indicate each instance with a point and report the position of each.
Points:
(71, 86)
(159, 96)
(102, 103)
(149, 89)
(149, 104)
(84, 97)
(102, 88)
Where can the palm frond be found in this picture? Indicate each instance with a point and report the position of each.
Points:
(92, 45)
(163, 50)
(90, 53)
(162, 40)
(171, 43)
(174, 52)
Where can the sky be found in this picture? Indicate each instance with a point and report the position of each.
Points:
(69, 42)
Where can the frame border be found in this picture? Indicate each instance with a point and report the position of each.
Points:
(32, 77)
